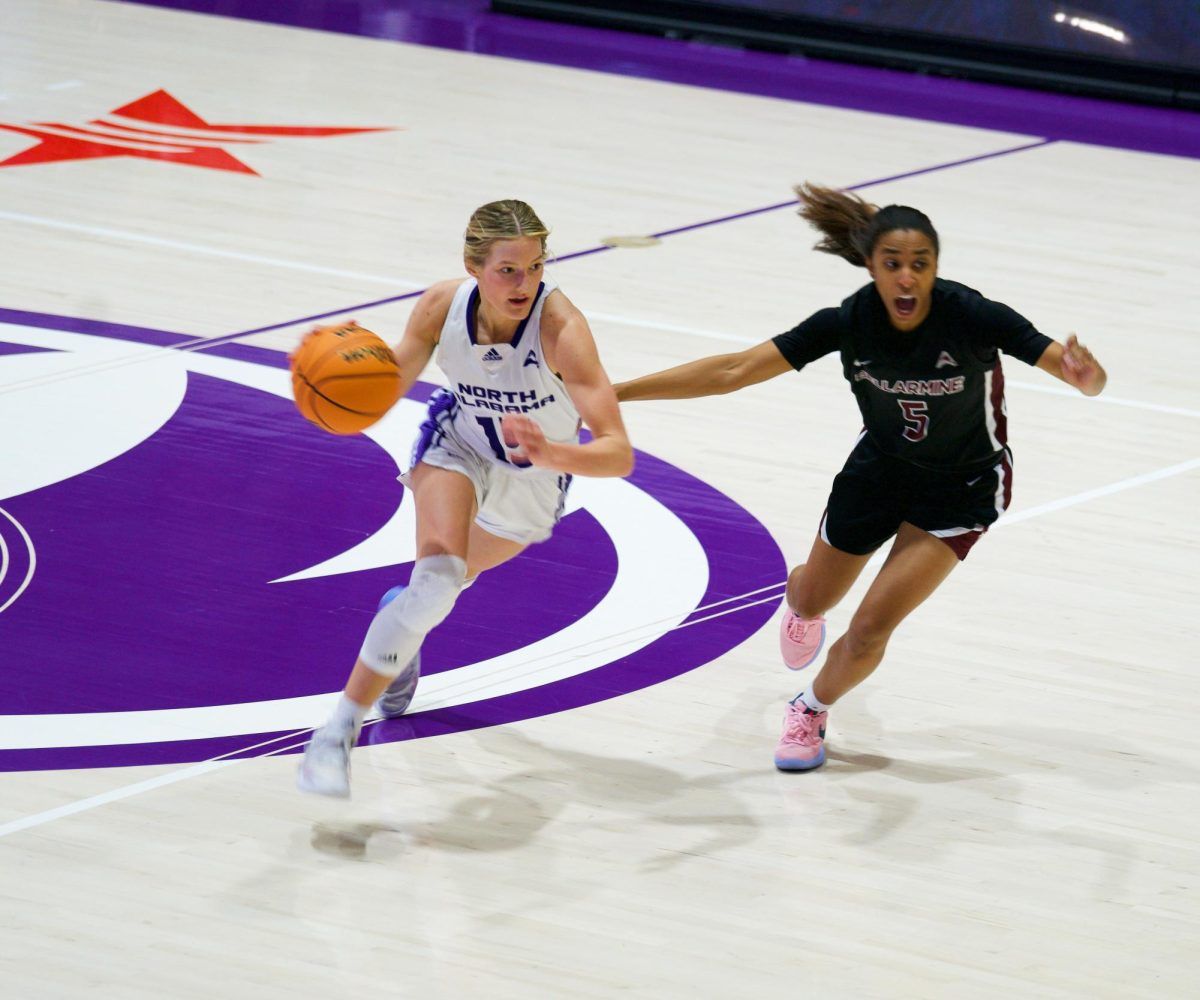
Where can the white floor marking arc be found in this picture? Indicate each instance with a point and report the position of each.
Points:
(634, 521)
(32, 560)
(204, 767)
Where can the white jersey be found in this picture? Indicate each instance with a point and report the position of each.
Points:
(490, 380)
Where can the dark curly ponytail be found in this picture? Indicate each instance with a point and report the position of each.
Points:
(852, 226)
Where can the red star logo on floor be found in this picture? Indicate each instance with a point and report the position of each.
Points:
(157, 127)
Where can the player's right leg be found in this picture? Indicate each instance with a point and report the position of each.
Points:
(445, 505)
(812, 589)
(860, 516)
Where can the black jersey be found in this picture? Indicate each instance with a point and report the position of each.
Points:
(932, 396)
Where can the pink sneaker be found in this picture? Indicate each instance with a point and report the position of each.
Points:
(800, 639)
(802, 745)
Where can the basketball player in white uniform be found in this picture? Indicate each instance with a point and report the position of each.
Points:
(494, 459)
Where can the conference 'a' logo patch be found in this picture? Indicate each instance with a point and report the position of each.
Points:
(157, 127)
(188, 567)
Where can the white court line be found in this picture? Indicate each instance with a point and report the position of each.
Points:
(32, 560)
(1071, 501)
(158, 241)
(696, 621)
(1056, 388)
(733, 338)
(204, 767)
(1100, 491)
(126, 791)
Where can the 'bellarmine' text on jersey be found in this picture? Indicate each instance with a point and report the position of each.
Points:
(932, 396)
(490, 380)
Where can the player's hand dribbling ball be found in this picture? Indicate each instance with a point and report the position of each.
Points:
(344, 378)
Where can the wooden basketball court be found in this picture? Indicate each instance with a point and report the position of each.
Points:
(1010, 804)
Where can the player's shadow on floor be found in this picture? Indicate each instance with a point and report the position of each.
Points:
(843, 763)
(555, 784)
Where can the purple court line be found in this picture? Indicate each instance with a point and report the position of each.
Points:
(862, 184)
(201, 344)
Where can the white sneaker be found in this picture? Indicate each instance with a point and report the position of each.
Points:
(325, 767)
(394, 702)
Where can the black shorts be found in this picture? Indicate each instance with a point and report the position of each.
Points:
(874, 493)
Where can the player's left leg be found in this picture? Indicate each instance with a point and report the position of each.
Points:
(487, 551)
(513, 515)
(484, 551)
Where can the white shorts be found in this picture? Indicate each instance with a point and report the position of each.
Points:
(521, 506)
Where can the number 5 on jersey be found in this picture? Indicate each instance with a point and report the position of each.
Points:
(916, 417)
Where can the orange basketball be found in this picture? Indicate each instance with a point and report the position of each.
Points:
(344, 378)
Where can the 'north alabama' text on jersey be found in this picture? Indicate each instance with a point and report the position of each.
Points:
(932, 396)
(490, 380)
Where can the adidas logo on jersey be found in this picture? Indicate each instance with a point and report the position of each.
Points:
(493, 355)
(531, 359)
(945, 359)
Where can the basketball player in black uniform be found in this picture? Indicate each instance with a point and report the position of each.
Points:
(932, 466)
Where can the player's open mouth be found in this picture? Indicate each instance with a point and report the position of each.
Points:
(519, 300)
(906, 305)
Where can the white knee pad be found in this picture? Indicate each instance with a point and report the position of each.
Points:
(399, 628)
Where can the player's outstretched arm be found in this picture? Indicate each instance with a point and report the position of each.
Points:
(1074, 364)
(577, 362)
(711, 376)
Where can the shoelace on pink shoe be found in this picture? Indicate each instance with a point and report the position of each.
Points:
(803, 729)
(797, 628)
